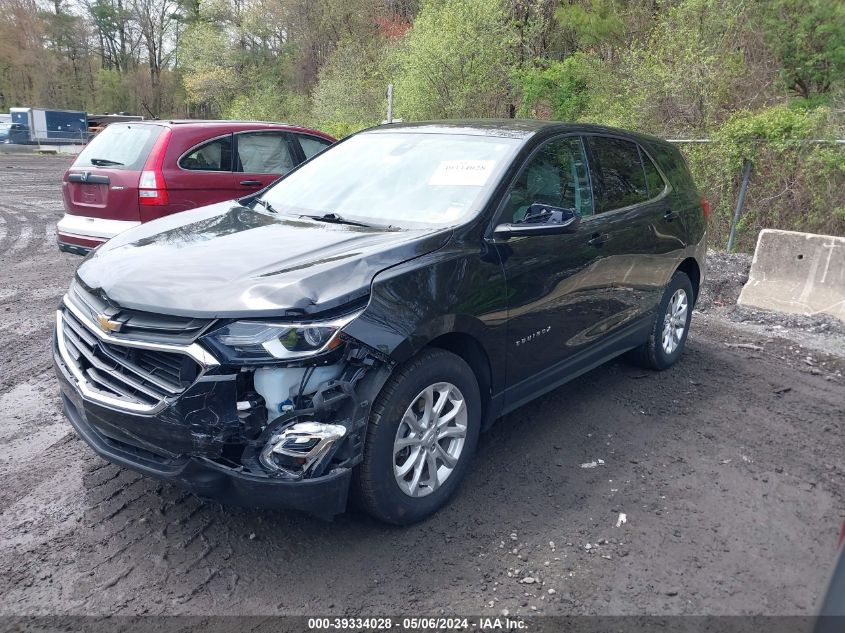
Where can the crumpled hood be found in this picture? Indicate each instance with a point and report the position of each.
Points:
(226, 260)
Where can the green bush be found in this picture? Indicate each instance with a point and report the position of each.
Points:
(351, 91)
(268, 103)
(562, 90)
(794, 185)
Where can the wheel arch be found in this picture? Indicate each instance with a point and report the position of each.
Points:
(470, 349)
(692, 270)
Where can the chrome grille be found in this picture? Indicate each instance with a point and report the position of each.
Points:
(135, 375)
(138, 325)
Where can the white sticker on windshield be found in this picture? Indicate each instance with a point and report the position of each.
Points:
(465, 173)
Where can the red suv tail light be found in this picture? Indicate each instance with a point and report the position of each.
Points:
(152, 190)
(705, 208)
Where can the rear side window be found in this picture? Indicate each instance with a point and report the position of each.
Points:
(120, 147)
(264, 153)
(653, 179)
(215, 155)
(619, 173)
(312, 145)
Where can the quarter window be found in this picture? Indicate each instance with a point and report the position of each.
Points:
(652, 176)
(311, 145)
(264, 153)
(620, 176)
(215, 155)
(557, 176)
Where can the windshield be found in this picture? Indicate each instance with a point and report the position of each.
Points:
(402, 179)
(120, 146)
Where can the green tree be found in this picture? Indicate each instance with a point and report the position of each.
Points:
(808, 38)
(606, 26)
(456, 60)
(352, 84)
(561, 91)
(683, 77)
(210, 79)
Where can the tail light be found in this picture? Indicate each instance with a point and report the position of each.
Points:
(705, 208)
(152, 190)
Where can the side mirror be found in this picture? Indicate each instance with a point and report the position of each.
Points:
(541, 219)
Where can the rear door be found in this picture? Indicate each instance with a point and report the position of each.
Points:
(261, 158)
(103, 180)
(201, 174)
(644, 237)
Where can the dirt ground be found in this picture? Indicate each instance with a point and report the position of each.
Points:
(729, 468)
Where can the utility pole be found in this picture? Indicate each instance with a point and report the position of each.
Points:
(390, 103)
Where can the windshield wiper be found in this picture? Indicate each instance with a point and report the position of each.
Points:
(266, 205)
(333, 218)
(103, 162)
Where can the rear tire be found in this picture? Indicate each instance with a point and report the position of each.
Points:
(668, 335)
(414, 455)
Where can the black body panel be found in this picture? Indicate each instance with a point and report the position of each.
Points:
(227, 260)
(527, 313)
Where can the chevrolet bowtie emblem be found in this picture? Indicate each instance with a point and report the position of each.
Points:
(108, 325)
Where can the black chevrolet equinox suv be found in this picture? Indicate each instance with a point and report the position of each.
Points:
(355, 326)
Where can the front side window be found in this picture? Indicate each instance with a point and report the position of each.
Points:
(557, 175)
(404, 179)
(264, 153)
(619, 174)
(215, 155)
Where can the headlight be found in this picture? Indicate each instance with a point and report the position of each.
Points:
(251, 342)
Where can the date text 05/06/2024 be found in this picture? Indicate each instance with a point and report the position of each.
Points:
(491, 623)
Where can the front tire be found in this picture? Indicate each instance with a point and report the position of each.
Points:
(422, 433)
(668, 335)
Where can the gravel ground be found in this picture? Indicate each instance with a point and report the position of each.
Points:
(728, 467)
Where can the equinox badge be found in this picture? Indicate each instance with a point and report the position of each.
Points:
(532, 336)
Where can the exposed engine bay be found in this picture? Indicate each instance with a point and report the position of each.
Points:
(305, 421)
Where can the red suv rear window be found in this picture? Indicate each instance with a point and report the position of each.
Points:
(120, 146)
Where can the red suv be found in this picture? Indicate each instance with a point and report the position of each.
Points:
(139, 171)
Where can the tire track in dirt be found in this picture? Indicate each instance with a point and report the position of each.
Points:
(12, 232)
(37, 237)
(34, 230)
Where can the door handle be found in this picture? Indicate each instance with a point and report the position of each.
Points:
(669, 215)
(251, 183)
(598, 239)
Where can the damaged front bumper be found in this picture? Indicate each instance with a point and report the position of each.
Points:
(322, 496)
(217, 437)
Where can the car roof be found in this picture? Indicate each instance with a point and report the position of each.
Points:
(224, 125)
(508, 128)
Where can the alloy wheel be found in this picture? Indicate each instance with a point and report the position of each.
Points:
(430, 439)
(675, 321)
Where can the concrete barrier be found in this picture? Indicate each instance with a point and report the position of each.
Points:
(796, 272)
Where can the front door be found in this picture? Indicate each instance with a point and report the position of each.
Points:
(554, 301)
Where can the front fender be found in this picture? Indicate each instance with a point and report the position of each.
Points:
(449, 291)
